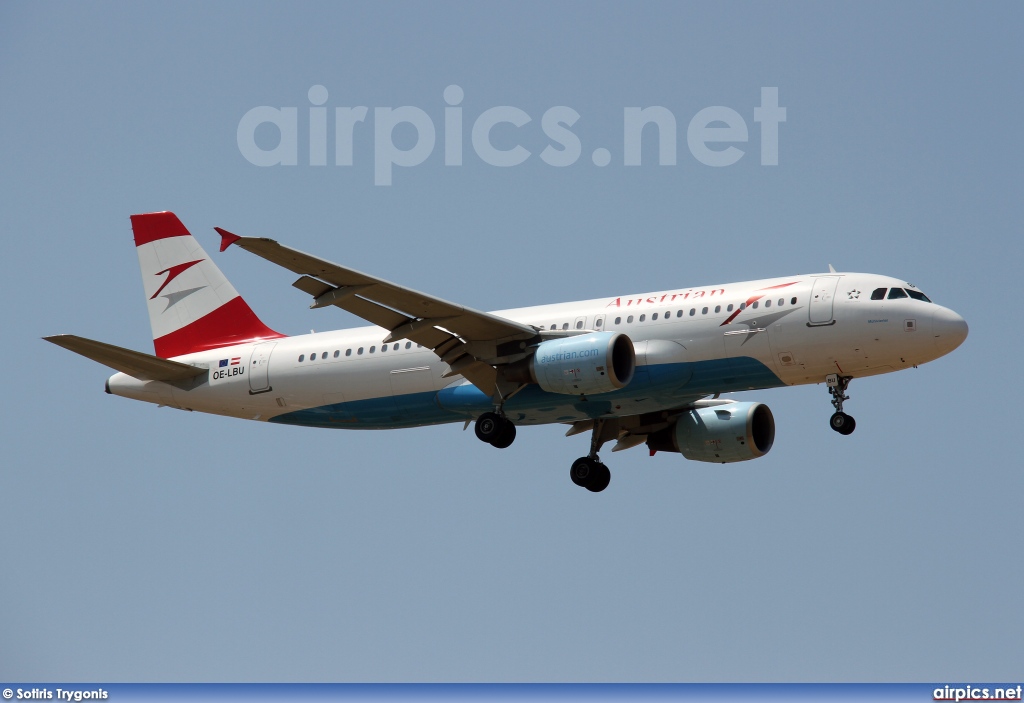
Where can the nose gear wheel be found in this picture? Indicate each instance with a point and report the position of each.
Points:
(840, 421)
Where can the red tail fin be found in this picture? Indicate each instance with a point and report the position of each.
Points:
(192, 306)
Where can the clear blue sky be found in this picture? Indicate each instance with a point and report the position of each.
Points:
(139, 543)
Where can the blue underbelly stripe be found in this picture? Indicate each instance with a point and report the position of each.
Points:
(658, 384)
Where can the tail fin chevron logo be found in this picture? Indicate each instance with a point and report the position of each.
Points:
(172, 273)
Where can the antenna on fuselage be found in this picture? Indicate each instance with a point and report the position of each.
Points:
(830, 269)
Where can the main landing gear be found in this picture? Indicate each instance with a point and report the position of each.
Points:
(588, 471)
(840, 421)
(497, 430)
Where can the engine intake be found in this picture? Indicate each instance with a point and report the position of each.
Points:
(587, 364)
(719, 434)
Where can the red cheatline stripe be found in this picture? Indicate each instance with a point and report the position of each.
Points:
(751, 300)
(739, 310)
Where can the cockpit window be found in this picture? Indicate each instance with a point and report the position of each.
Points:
(918, 295)
(878, 294)
(896, 293)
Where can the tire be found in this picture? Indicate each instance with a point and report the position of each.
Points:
(599, 479)
(489, 426)
(507, 436)
(839, 422)
(581, 470)
(851, 425)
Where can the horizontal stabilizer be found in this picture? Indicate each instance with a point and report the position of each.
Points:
(136, 364)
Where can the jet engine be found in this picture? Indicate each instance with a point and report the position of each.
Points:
(587, 364)
(719, 434)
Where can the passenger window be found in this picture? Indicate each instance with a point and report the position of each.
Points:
(302, 357)
(360, 350)
(704, 311)
(782, 301)
(618, 320)
(598, 323)
(767, 303)
(917, 295)
(565, 325)
(693, 311)
(792, 301)
(629, 319)
(348, 352)
(579, 325)
(743, 306)
(554, 327)
(895, 293)
(654, 317)
(408, 345)
(729, 309)
(383, 347)
(324, 355)
(373, 349)
(643, 317)
(337, 353)
(878, 294)
(754, 305)
(718, 308)
(679, 313)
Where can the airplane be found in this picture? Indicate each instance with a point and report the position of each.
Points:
(647, 368)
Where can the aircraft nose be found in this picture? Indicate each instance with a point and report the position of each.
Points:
(948, 329)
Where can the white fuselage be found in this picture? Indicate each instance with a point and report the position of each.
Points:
(689, 343)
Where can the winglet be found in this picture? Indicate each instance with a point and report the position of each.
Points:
(226, 238)
(830, 268)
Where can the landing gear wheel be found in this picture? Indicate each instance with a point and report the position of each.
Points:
(507, 436)
(581, 470)
(600, 480)
(590, 474)
(489, 427)
(842, 423)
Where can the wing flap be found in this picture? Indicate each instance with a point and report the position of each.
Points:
(136, 364)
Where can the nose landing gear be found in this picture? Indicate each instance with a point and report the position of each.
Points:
(840, 421)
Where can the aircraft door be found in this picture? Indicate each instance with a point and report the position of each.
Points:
(259, 368)
(823, 293)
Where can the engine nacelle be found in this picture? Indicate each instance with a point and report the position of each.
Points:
(587, 364)
(719, 434)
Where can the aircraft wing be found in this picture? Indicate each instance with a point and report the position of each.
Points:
(136, 364)
(468, 340)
